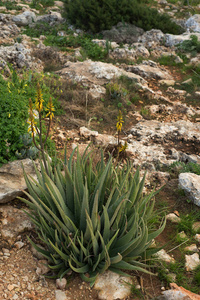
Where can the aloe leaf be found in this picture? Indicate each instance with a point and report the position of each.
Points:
(84, 208)
(83, 269)
(62, 255)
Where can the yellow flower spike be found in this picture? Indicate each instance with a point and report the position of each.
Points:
(39, 100)
(119, 121)
(50, 109)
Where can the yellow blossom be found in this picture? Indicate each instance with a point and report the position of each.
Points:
(119, 121)
(39, 99)
(9, 115)
(50, 109)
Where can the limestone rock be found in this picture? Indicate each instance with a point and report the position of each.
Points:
(150, 70)
(197, 237)
(96, 74)
(14, 222)
(190, 183)
(178, 293)
(112, 286)
(192, 248)
(162, 255)
(52, 18)
(18, 55)
(25, 18)
(123, 33)
(193, 23)
(61, 283)
(42, 267)
(12, 181)
(152, 37)
(87, 132)
(173, 218)
(172, 40)
(196, 226)
(60, 295)
(192, 262)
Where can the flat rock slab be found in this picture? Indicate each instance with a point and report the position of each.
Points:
(95, 74)
(113, 286)
(150, 72)
(12, 181)
(13, 223)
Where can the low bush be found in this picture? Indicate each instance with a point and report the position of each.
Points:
(192, 45)
(98, 15)
(14, 98)
(91, 217)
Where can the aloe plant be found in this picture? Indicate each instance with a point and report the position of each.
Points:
(91, 217)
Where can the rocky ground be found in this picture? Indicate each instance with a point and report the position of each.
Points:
(159, 99)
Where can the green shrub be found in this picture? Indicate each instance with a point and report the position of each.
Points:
(91, 216)
(192, 46)
(181, 167)
(14, 97)
(98, 15)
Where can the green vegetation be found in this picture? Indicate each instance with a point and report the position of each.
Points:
(181, 167)
(14, 98)
(192, 46)
(10, 5)
(95, 15)
(88, 48)
(41, 4)
(86, 225)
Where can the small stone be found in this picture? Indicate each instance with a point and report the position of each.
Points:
(10, 287)
(182, 235)
(60, 295)
(61, 283)
(42, 267)
(173, 218)
(19, 245)
(113, 286)
(197, 237)
(4, 250)
(192, 248)
(162, 255)
(196, 226)
(15, 296)
(192, 262)
(138, 286)
(162, 288)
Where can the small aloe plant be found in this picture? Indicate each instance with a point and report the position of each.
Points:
(91, 217)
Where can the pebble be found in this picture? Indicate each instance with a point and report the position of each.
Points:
(192, 248)
(197, 237)
(19, 245)
(61, 283)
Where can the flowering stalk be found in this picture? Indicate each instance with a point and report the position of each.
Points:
(119, 124)
(33, 126)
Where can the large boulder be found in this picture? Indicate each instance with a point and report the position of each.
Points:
(51, 18)
(193, 23)
(25, 18)
(96, 74)
(18, 55)
(150, 70)
(12, 181)
(190, 183)
(123, 33)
